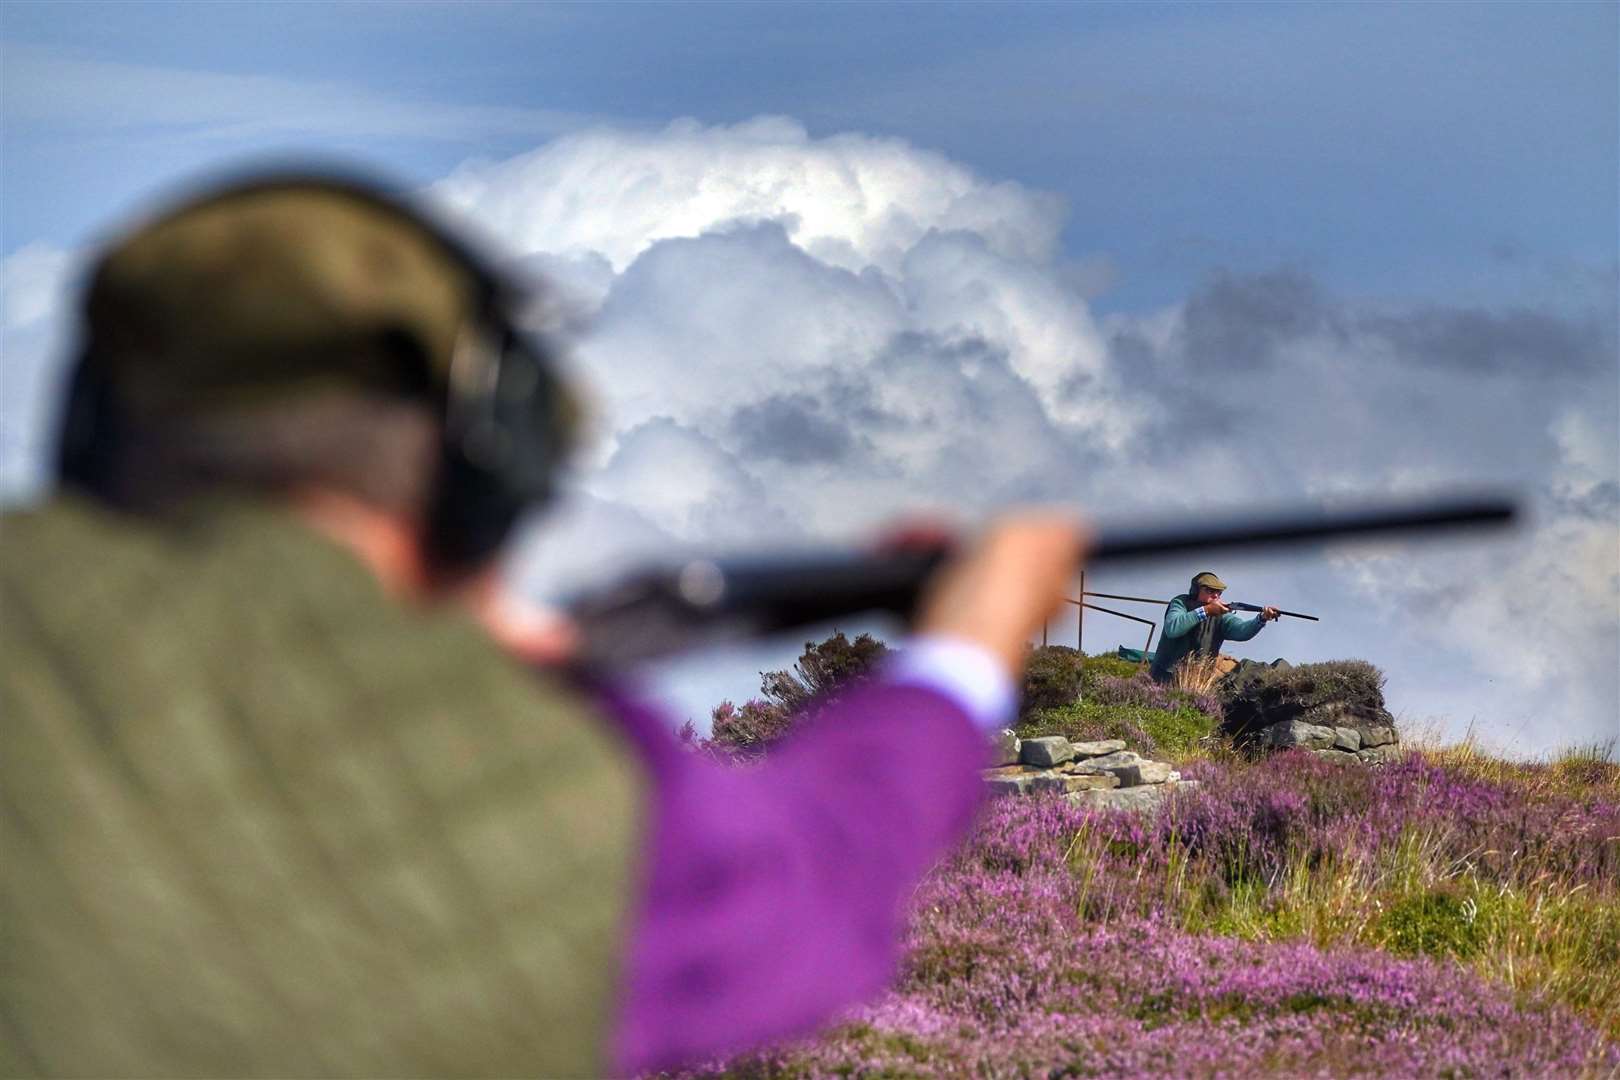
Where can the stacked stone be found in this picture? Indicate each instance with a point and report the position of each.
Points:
(1342, 738)
(1334, 709)
(1103, 775)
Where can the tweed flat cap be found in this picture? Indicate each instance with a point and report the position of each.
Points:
(258, 290)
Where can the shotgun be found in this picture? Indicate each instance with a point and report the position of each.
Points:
(703, 602)
(1236, 606)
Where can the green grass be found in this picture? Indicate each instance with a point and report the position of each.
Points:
(1546, 940)
(1106, 665)
(1170, 734)
(1441, 922)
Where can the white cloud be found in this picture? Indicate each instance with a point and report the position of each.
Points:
(1587, 453)
(856, 326)
(697, 327)
(851, 201)
(795, 337)
(898, 319)
(33, 338)
(686, 484)
(1535, 618)
(958, 286)
(31, 284)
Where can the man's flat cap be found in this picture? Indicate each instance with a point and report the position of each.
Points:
(256, 291)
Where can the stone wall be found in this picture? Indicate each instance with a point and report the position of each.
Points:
(1370, 742)
(1334, 709)
(1100, 774)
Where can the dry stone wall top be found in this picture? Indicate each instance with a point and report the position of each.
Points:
(1333, 709)
(1101, 774)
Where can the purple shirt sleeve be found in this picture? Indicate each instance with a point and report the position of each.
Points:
(773, 895)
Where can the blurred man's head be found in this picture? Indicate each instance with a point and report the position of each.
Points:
(293, 332)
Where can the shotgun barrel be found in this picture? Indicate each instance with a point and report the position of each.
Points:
(1236, 606)
(701, 602)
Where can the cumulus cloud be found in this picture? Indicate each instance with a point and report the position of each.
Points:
(1242, 322)
(688, 485)
(1522, 343)
(793, 338)
(851, 201)
(796, 336)
(34, 332)
(1284, 390)
(854, 323)
(1532, 619)
(1526, 629)
(793, 428)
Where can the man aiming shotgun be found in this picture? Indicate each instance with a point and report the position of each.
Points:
(1198, 622)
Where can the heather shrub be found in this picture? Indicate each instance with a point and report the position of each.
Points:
(1303, 686)
(1593, 766)
(822, 668)
(788, 698)
(1056, 675)
(1081, 722)
(1591, 771)
(1494, 830)
(1290, 917)
(1351, 681)
(1140, 689)
(1052, 677)
(1449, 914)
(1104, 697)
(1257, 695)
(748, 731)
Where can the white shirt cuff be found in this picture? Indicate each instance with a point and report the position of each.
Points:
(966, 673)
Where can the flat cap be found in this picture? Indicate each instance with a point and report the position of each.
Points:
(1209, 581)
(259, 290)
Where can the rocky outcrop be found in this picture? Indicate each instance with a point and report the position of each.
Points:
(1103, 774)
(1335, 710)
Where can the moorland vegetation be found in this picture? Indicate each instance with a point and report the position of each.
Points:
(1449, 914)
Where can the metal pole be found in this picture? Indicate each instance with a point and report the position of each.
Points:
(1080, 620)
(1080, 614)
(1079, 630)
(1116, 596)
(1111, 611)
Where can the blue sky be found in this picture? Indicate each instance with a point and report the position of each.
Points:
(1389, 149)
(1292, 250)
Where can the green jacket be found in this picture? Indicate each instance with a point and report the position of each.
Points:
(259, 820)
(1184, 633)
